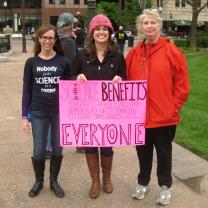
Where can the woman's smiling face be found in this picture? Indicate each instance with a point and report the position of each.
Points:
(101, 34)
(47, 40)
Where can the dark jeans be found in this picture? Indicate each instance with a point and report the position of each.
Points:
(105, 151)
(121, 46)
(48, 142)
(40, 122)
(161, 138)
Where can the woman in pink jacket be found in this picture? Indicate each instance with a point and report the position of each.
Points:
(157, 60)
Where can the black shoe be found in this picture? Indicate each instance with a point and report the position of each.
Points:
(35, 189)
(48, 154)
(56, 188)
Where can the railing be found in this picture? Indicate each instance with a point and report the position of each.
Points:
(5, 44)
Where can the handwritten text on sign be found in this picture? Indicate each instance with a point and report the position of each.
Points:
(102, 113)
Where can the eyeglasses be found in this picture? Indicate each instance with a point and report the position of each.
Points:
(50, 39)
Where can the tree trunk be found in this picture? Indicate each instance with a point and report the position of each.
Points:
(196, 10)
(193, 43)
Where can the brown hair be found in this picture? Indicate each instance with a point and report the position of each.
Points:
(42, 30)
(91, 48)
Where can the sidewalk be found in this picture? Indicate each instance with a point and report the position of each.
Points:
(16, 170)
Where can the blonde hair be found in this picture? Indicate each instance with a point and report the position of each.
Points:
(152, 13)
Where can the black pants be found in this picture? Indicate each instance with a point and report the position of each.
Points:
(161, 138)
(105, 151)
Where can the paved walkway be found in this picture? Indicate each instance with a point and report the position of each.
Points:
(16, 175)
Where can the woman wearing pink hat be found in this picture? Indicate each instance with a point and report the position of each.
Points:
(100, 60)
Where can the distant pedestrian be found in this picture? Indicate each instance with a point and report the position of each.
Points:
(40, 92)
(157, 60)
(80, 36)
(65, 32)
(121, 37)
(32, 32)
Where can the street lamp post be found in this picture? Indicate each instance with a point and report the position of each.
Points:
(24, 50)
(91, 9)
(5, 8)
(143, 6)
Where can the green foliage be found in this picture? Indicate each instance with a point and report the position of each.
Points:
(192, 132)
(148, 4)
(130, 13)
(188, 50)
(202, 41)
(126, 17)
(181, 42)
(110, 9)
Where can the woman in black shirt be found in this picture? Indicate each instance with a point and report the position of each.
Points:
(40, 92)
(101, 60)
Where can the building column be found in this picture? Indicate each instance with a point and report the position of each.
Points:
(15, 22)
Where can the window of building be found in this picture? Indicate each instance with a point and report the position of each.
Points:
(86, 1)
(159, 3)
(183, 3)
(177, 3)
(28, 4)
(62, 1)
(76, 1)
(51, 1)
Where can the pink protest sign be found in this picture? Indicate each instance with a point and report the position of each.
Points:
(102, 113)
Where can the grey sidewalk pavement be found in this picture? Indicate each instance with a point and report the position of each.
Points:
(16, 174)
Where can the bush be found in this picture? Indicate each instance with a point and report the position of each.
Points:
(202, 41)
(189, 50)
(181, 42)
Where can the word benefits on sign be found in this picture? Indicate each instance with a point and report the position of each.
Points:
(102, 113)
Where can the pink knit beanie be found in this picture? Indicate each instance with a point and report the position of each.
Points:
(100, 20)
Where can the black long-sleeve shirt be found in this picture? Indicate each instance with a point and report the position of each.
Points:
(113, 64)
(40, 83)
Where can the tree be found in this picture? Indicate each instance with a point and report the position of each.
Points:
(196, 9)
(110, 9)
(131, 10)
(145, 3)
(125, 17)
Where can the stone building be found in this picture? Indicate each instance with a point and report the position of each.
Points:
(177, 14)
(37, 12)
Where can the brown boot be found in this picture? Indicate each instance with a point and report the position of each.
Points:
(94, 168)
(106, 164)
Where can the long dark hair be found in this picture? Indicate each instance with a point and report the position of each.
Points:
(90, 49)
(42, 30)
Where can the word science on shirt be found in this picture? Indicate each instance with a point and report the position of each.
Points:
(102, 113)
(46, 80)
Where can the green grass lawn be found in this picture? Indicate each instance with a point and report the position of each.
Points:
(192, 132)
